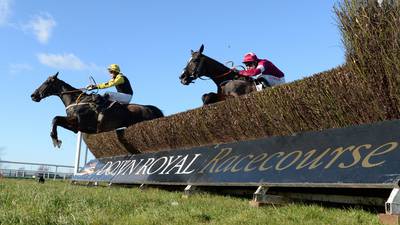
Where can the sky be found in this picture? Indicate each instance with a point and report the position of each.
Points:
(151, 42)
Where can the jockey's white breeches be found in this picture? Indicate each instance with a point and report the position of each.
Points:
(272, 80)
(119, 97)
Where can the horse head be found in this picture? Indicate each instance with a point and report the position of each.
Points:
(50, 87)
(194, 68)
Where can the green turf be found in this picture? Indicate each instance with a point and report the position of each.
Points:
(55, 202)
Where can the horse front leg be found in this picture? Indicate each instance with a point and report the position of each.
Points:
(209, 98)
(69, 123)
(212, 98)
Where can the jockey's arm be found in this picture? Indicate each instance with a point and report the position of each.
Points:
(253, 72)
(115, 81)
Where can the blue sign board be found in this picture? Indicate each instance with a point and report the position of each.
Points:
(365, 155)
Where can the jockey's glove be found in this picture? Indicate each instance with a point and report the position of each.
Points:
(91, 87)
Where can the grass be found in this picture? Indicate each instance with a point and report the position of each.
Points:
(55, 202)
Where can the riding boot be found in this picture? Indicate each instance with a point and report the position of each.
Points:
(101, 103)
(264, 83)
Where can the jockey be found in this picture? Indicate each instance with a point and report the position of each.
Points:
(263, 70)
(121, 83)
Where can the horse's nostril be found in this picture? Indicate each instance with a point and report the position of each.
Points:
(35, 97)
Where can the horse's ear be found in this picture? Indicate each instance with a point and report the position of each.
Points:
(191, 51)
(201, 48)
(55, 76)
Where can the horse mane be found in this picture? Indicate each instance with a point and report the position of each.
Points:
(66, 85)
(222, 66)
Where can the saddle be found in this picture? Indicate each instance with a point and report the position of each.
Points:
(248, 79)
(103, 106)
(237, 77)
(260, 83)
(103, 103)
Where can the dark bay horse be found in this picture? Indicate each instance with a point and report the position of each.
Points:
(226, 79)
(82, 110)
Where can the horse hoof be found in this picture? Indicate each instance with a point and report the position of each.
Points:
(57, 143)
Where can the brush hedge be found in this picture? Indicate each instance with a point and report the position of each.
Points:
(364, 90)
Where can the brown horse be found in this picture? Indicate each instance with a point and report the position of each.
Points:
(228, 81)
(83, 110)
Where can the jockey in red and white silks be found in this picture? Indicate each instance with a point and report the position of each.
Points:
(262, 68)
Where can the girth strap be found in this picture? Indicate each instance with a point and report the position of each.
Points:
(77, 104)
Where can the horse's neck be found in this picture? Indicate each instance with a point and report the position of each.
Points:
(216, 71)
(68, 94)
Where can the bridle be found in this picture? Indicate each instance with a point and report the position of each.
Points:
(41, 95)
(224, 74)
(196, 71)
(195, 74)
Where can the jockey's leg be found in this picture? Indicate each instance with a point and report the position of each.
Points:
(119, 97)
(273, 81)
(261, 80)
(116, 99)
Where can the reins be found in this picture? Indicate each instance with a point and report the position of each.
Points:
(75, 91)
(79, 97)
(224, 74)
(219, 76)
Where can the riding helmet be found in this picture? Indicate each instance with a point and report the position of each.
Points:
(114, 67)
(250, 57)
